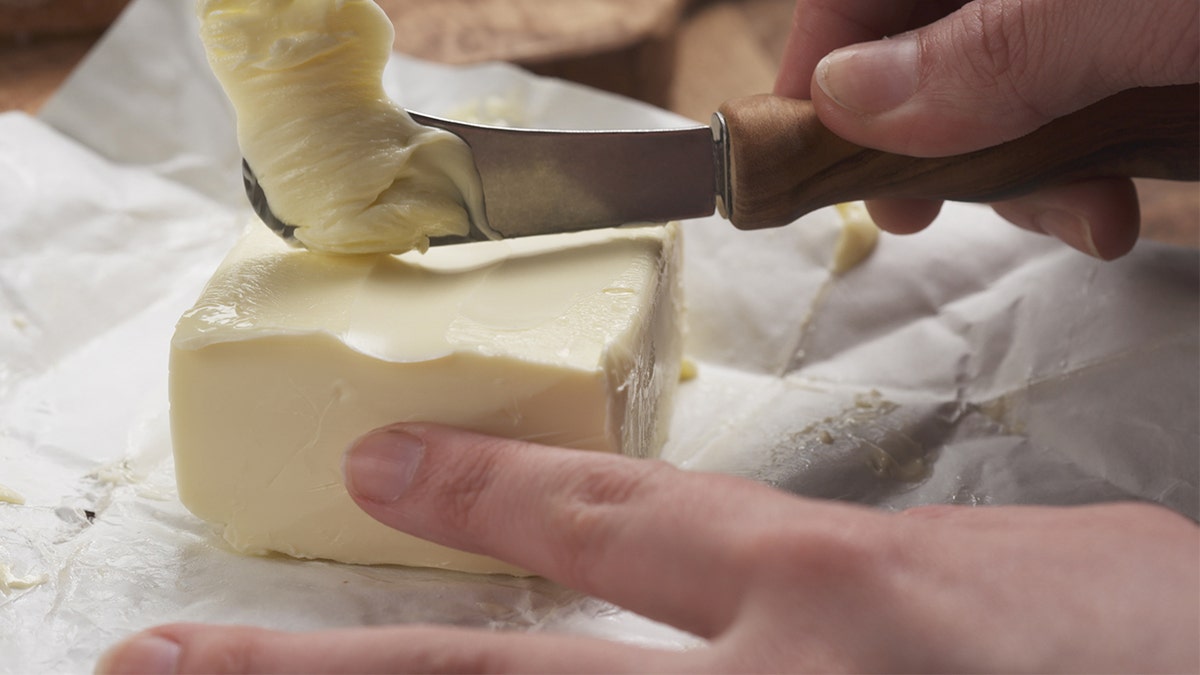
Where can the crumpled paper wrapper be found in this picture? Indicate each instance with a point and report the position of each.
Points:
(973, 363)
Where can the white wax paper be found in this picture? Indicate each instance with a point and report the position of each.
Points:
(973, 363)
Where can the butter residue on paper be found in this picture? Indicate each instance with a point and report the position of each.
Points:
(10, 582)
(857, 239)
(569, 340)
(334, 155)
(10, 496)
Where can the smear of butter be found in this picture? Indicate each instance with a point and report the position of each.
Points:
(11, 496)
(9, 582)
(688, 370)
(494, 110)
(857, 240)
(334, 155)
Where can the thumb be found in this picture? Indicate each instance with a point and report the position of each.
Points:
(996, 70)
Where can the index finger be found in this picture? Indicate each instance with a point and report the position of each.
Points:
(668, 544)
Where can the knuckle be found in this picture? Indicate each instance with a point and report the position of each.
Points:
(1003, 39)
(459, 498)
(1169, 52)
(588, 517)
(1002, 35)
(995, 45)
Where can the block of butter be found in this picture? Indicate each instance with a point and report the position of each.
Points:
(571, 340)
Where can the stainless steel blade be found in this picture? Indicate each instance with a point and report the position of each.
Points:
(540, 181)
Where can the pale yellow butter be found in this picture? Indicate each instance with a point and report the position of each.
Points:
(857, 239)
(288, 356)
(10, 582)
(11, 496)
(334, 155)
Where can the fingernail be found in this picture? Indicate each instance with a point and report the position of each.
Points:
(1068, 227)
(380, 466)
(873, 77)
(149, 654)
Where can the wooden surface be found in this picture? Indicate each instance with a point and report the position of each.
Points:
(22, 19)
(686, 56)
(528, 31)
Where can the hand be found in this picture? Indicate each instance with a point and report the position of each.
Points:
(968, 75)
(774, 582)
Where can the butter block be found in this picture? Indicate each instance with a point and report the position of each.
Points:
(571, 340)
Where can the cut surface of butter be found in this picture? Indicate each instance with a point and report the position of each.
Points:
(571, 340)
(334, 155)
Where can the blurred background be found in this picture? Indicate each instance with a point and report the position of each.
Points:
(683, 55)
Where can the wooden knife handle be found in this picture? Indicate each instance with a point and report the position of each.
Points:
(785, 163)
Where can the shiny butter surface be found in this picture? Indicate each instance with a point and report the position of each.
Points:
(288, 356)
(334, 155)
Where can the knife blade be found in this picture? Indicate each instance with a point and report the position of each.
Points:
(538, 181)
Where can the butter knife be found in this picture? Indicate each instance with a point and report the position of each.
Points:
(764, 161)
